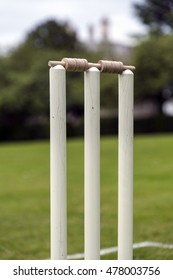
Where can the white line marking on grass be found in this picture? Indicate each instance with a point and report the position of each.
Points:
(115, 249)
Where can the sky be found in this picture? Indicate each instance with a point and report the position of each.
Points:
(18, 17)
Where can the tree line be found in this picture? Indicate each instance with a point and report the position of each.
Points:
(24, 79)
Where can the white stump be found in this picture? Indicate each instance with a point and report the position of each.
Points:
(125, 166)
(58, 163)
(92, 164)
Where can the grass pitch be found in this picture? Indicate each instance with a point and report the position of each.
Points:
(25, 199)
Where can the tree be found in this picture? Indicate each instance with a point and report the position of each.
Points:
(52, 34)
(153, 60)
(156, 14)
(24, 83)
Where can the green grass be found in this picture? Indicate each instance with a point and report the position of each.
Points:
(24, 197)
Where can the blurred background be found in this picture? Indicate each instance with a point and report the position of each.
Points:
(137, 32)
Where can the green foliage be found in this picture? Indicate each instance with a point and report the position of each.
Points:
(24, 83)
(157, 14)
(153, 60)
(53, 35)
